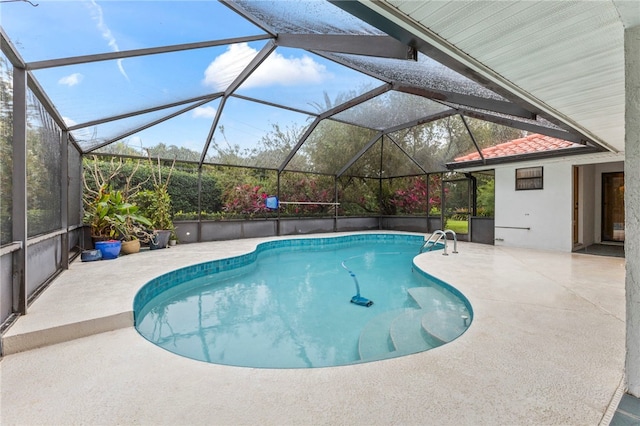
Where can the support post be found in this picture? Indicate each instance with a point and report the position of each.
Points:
(442, 201)
(428, 201)
(278, 211)
(199, 236)
(19, 193)
(64, 198)
(380, 208)
(335, 200)
(632, 207)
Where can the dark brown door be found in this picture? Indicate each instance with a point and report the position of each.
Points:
(613, 206)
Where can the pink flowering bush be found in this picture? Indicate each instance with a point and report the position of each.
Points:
(412, 197)
(304, 189)
(405, 196)
(246, 200)
(249, 200)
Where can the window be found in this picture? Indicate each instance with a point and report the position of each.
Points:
(529, 178)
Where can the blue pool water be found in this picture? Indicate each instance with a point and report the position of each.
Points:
(287, 305)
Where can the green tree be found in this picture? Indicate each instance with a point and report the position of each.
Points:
(121, 147)
(358, 195)
(330, 146)
(486, 196)
(273, 148)
(422, 143)
(169, 152)
(44, 189)
(6, 150)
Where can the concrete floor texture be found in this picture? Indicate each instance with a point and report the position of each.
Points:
(546, 347)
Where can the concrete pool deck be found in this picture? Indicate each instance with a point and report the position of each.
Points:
(546, 346)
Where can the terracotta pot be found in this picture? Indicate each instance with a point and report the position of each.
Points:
(130, 247)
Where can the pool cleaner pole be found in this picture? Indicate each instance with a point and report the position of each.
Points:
(357, 299)
(356, 281)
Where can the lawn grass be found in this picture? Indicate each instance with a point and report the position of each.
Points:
(458, 226)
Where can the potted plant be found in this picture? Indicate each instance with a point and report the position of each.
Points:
(105, 213)
(134, 230)
(156, 205)
(108, 212)
(101, 215)
(112, 218)
(173, 239)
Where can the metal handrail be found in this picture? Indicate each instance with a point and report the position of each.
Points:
(439, 235)
(455, 239)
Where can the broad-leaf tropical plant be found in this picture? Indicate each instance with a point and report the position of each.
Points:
(111, 216)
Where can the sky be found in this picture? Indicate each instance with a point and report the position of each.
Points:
(58, 29)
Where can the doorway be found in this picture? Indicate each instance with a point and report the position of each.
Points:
(613, 207)
(457, 205)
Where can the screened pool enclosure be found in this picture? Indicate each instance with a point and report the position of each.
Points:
(351, 128)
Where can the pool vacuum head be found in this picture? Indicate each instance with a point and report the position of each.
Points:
(357, 299)
(362, 301)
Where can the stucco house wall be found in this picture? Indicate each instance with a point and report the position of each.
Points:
(539, 218)
(543, 218)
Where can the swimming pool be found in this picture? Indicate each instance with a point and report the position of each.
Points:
(287, 304)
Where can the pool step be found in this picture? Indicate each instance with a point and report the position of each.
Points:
(375, 340)
(425, 297)
(444, 326)
(395, 333)
(406, 331)
(407, 334)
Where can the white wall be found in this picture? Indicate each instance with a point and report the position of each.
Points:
(549, 212)
(546, 212)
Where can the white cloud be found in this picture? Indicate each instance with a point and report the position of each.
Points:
(228, 65)
(275, 70)
(71, 80)
(68, 121)
(288, 72)
(204, 112)
(97, 15)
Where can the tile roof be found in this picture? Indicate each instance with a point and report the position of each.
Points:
(527, 145)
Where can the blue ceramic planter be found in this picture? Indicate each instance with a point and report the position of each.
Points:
(109, 249)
